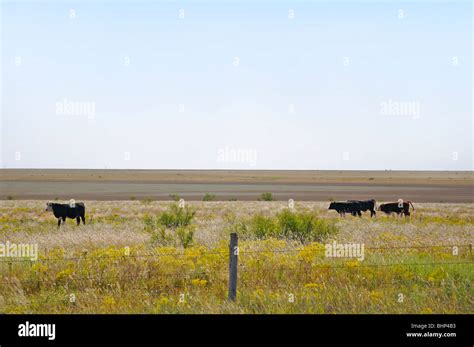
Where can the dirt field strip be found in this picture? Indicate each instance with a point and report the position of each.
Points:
(452, 187)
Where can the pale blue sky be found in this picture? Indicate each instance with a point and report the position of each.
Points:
(167, 94)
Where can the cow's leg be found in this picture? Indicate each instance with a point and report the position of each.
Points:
(59, 222)
(64, 220)
(359, 213)
(78, 220)
(83, 219)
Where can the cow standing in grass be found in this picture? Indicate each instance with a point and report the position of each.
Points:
(73, 210)
(400, 207)
(344, 207)
(366, 205)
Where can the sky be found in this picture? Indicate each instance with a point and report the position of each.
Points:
(317, 85)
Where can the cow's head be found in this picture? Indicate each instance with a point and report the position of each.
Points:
(49, 206)
(331, 206)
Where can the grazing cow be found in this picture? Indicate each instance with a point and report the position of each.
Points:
(72, 210)
(346, 207)
(400, 207)
(366, 205)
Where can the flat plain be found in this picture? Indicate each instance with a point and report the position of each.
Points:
(142, 252)
(421, 186)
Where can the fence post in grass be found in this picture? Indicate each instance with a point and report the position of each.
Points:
(233, 257)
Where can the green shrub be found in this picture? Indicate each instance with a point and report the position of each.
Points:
(177, 216)
(209, 197)
(263, 227)
(304, 226)
(185, 235)
(149, 223)
(162, 236)
(266, 197)
(172, 226)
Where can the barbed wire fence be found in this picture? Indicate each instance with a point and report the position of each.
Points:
(234, 267)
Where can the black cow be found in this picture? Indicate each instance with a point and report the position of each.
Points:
(400, 207)
(72, 210)
(346, 207)
(366, 205)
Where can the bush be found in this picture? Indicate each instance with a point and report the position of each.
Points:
(162, 236)
(185, 236)
(177, 216)
(172, 226)
(266, 197)
(209, 197)
(149, 223)
(304, 226)
(263, 227)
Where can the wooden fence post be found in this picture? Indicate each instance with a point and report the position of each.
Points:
(233, 261)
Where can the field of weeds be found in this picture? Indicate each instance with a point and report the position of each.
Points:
(158, 257)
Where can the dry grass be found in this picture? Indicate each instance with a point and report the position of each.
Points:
(120, 223)
(104, 279)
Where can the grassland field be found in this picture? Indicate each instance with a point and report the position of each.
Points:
(129, 258)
